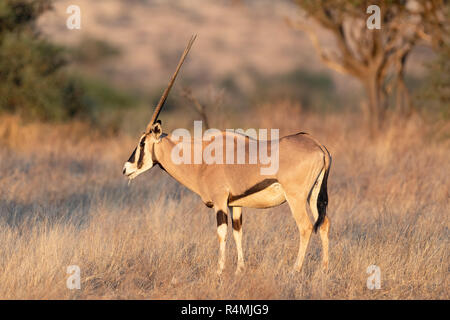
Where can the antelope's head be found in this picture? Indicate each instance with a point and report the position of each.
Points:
(143, 157)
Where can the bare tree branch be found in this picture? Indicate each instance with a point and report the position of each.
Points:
(187, 93)
(375, 57)
(331, 63)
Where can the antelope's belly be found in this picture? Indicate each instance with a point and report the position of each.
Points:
(270, 196)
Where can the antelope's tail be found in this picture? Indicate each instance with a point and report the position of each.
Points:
(322, 199)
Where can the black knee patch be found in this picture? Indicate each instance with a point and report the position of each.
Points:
(237, 224)
(221, 218)
(209, 204)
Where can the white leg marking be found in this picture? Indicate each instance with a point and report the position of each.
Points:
(222, 234)
(237, 234)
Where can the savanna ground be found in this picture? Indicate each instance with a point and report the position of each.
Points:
(65, 202)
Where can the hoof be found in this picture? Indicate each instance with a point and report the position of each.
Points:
(296, 270)
(297, 267)
(239, 270)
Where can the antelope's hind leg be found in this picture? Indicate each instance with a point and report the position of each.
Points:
(324, 229)
(325, 226)
(297, 204)
(237, 234)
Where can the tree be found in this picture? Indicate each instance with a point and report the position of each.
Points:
(376, 57)
(198, 107)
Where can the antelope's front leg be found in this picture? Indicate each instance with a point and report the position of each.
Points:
(222, 230)
(237, 233)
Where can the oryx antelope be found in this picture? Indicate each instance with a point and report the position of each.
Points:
(301, 180)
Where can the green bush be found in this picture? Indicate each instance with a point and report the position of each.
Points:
(29, 65)
(30, 79)
(34, 82)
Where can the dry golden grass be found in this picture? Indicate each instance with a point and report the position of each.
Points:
(63, 201)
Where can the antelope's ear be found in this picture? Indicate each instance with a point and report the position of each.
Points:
(156, 129)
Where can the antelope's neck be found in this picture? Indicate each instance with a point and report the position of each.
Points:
(185, 174)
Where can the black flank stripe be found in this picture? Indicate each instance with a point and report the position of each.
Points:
(256, 188)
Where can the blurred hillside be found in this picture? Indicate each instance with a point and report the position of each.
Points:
(242, 50)
(233, 40)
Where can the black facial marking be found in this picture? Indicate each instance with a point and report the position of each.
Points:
(131, 159)
(221, 218)
(256, 188)
(141, 152)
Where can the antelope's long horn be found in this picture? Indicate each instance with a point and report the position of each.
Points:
(169, 86)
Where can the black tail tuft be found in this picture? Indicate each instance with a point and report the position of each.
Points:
(322, 201)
